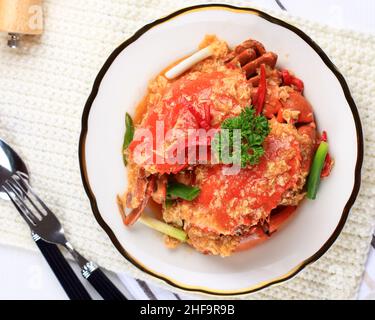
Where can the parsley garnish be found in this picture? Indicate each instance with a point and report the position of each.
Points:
(253, 130)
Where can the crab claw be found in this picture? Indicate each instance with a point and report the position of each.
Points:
(309, 130)
(297, 103)
(288, 105)
(308, 145)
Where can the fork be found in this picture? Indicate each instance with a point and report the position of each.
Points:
(44, 223)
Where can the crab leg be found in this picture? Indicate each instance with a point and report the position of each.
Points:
(250, 43)
(254, 81)
(134, 215)
(134, 198)
(254, 45)
(245, 57)
(269, 58)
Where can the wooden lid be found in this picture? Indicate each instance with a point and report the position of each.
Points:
(21, 16)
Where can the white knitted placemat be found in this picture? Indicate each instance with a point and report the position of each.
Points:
(44, 86)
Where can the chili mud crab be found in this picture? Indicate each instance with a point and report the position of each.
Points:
(231, 212)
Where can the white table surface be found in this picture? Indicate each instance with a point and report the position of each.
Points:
(26, 275)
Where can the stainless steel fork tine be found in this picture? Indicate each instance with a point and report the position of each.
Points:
(21, 203)
(20, 175)
(20, 191)
(25, 216)
(13, 188)
(20, 185)
(26, 195)
(17, 188)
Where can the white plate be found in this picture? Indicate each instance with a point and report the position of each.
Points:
(121, 84)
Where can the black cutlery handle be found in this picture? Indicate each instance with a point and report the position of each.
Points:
(104, 286)
(62, 270)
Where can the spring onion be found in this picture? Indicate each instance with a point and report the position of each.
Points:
(316, 169)
(163, 227)
(190, 61)
(179, 190)
(128, 137)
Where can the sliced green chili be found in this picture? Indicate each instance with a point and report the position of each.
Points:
(179, 190)
(316, 169)
(128, 137)
(163, 227)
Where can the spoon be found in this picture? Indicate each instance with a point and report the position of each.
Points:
(10, 163)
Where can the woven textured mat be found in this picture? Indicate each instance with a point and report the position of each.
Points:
(44, 86)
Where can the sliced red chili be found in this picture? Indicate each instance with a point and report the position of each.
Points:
(327, 167)
(207, 116)
(324, 136)
(203, 122)
(288, 80)
(298, 83)
(262, 89)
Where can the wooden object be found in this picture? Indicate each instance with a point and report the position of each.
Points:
(21, 16)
